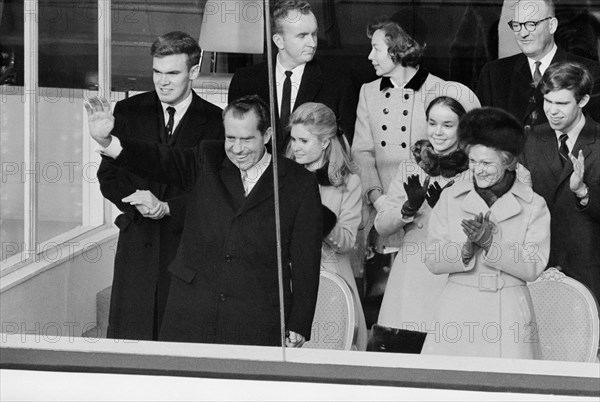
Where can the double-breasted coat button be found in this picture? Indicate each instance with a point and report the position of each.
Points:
(386, 110)
(403, 145)
(383, 143)
(384, 127)
(406, 96)
(387, 95)
(405, 112)
(494, 228)
(227, 258)
(403, 128)
(420, 225)
(222, 297)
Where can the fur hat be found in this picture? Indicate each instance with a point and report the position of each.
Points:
(492, 127)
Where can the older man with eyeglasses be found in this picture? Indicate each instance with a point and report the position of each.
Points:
(512, 83)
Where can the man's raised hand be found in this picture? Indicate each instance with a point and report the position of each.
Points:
(100, 120)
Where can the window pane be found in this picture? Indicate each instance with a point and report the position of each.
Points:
(61, 168)
(12, 185)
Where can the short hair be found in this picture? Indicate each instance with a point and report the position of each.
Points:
(320, 121)
(450, 103)
(281, 10)
(402, 48)
(568, 75)
(177, 42)
(242, 106)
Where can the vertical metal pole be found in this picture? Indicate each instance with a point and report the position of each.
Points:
(30, 127)
(105, 68)
(273, 107)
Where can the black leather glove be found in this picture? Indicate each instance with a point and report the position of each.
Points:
(434, 191)
(415, 194)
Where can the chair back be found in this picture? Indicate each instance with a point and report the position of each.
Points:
(567, 317)
(334, 325)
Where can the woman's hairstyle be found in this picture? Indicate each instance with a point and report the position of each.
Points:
(450, 103)
(320, 121)
(402, 48)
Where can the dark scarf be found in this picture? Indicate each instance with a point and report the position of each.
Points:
(435, 165)
(491, 194)
(322, 175)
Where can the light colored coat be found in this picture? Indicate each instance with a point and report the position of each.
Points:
(388, 121)
(345, 201)
(485, 309)
(412, 292)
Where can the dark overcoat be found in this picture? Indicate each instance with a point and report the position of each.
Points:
(224, 287)
(575, 231)
(319, 84)
(507, 83)
(146, 246)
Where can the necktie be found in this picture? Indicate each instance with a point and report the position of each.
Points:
(171, 122)
(284, 116)
(537, 74)
(245, 181)
(563, 150)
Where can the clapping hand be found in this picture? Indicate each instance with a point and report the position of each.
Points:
(434, 191)
(576, 182)
(479, 230)
(100, 120)
(415, 192)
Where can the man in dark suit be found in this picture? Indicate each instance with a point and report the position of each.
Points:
(512, 83)
(295, 35)
(224, 287)
(563, 157)
(151, 222)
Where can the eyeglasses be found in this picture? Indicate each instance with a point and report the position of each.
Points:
(529, 25)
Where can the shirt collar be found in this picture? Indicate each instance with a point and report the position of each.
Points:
(296, 71)
(254, 172)
(545, 61)
(574, 133)
(180, 108)
(415, 83)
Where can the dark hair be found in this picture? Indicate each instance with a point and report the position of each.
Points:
(241, 106)
(568, 75)
(491, 127)
(450, 103)
(402, 48)
(177, 42)
(281, 10)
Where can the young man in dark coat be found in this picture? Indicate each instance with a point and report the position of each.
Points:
(224, 287)
(149, 232)
(513, 83)
(295, 35)
(563, 156)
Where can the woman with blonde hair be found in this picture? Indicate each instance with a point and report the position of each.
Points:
(317, 143)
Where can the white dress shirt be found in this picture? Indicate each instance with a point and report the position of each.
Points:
(251, 175)
(180, 110)
(573, 134)
(296, 78)
(545, 61)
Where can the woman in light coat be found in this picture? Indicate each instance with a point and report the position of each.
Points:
(390, 116)
(491, 236)
(411, 293)
(317, 144)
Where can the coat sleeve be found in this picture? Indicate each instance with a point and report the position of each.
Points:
(343, 236)
(526, 260)
(161, 163)
(115, 183)
(363, 148)
(305, 254)
(389, 215)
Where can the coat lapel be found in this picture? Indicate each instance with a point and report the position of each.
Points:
(263, 189)
(232, 182)
(192, 122)
(312, 82)
(549, 149)
(149, 129)
(585, 139)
